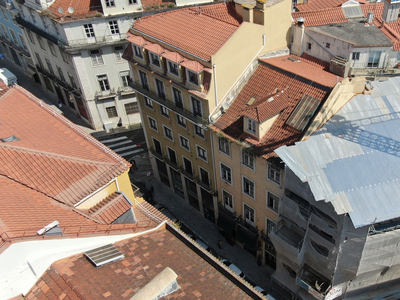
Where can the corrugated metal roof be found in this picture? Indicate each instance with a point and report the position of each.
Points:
(354, 160)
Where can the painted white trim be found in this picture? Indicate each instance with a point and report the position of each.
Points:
(90, 195)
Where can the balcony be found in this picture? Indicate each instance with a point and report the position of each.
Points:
(312, 281)
(144, 90)
(54, 39)
(125, 90)
(158, 154)
(57, 80)
(101, 95)
(97, 41)
(188, 173)
(173, 164)
(206, 185)
(15, 46)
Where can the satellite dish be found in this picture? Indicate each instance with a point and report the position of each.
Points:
(70, 10)
(60, 10)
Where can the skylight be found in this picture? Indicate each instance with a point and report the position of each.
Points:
(303, 112)
(102, 255)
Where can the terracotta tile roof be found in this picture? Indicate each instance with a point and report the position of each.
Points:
(173, 56)
(194, 66)
(155, 48)
(199, 33)
(314, 5)
(110, 208)
(145, 257)
(136, 39)
(315, 61)
(82, 9)
(321, 17)
(270, 78)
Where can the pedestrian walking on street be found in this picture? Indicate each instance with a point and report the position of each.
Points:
(134, 167)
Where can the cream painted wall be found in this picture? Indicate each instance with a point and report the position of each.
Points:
(124, 184)
(264, 126)
(100, 195)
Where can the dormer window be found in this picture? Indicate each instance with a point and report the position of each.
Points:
(155, 60)
(251, 125)
(137, 50)
(173, 68)
(193, 78)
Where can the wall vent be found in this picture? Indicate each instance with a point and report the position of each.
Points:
(102, 255)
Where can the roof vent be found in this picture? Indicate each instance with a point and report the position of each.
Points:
(102, 255)
(12, 138)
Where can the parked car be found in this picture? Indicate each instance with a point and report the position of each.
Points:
(233, 267)
(166, 212)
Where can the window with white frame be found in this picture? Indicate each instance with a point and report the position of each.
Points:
(164, 111)
(30, 36)
(173, 68)
(373, 59)
(272, 201)
(114, 27)
(137, 51)
(226, 173)
(155, 60)
(39, 60)
(178, 100)
(188, 165)
(248, 158)
(228, 200)
(96, 57)
(119, 51)
(63, 55)
(52, 49)
(39, 38)
(356, 56)
(184, 142)
(153, 124)
(14, 37)
(249, 214)
(110, 3)
(132, 2)
(251, 125)
(143, 80)
(49, 66)
(21, 38)
(199, 131)
(172, 156)
(60, 73)
(125, 78)
(89, 31)
(181, 121)
(269, 226)
(192, 77)
(248, 187)
(103, 82)
(160, 88)
(223, 145)
(131, 108)
(274, 173)
(168, 133)
(111, 112)
(197, 107)
(201, 153)
(148, 102)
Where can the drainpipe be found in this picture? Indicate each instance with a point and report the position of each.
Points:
(215, 84)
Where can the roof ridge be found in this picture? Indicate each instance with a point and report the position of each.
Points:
(215, 17)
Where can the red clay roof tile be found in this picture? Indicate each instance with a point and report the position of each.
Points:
(81, 9)
(313, 5)
(111, 208)
(321, 17)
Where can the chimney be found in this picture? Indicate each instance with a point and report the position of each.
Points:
(370, 17)
(247, 12)
(298, 35)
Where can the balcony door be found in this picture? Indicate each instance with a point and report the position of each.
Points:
(143, 80)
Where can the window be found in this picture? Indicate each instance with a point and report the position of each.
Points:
(196, 105)
(328, 45)
(177, 98)
(204, 177)
(119, 51)
(188, 165)
(63, 55)
(21, 38)
(111, 112)
(97, 59)
(52, 49)
(89, 30)
(270, 225)
(60, 73)
(132, 1)
(202, 153)
(199, 131)
(148, 102)
(226, 174)
(373, 59)
(228, 200)
(157, 146)
(155, 59)
(168, 133)
(143, 80)
(274, 173)
(223, 145)
(39, 60)
(172, 156)
(247, 158)
(14, 37)
(184, 142)
(137, 51)
(181, 121)
(30, 36)
(193, 78)
(125, 78)
(272, 201)
(5, 14)
(131, 108)
(114, 26)
(153, 124)
(40, 42)
(103, 82)
(43, 22)
(72, 80)
(251, 125)
(356, 56)
(319, 248)
(110, 3)
(173, 68)
(33, 17)
(248, 187)
(164, 111)
(160, 88)
(55, 25)
(308, 46)
(49, 66)
(249, 214)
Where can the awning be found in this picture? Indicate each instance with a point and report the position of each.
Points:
(226, 224)
(246, 237)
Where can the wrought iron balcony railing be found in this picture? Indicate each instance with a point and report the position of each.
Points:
(59, 81)
(105, 94)
(98, 40)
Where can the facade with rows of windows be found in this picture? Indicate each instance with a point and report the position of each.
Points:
(78, 55)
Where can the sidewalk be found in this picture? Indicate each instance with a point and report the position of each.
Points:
(205, 229)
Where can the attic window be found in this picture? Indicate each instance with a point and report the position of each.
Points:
(102, 255)
(303, 112)
(12, 138)
(251, 101)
